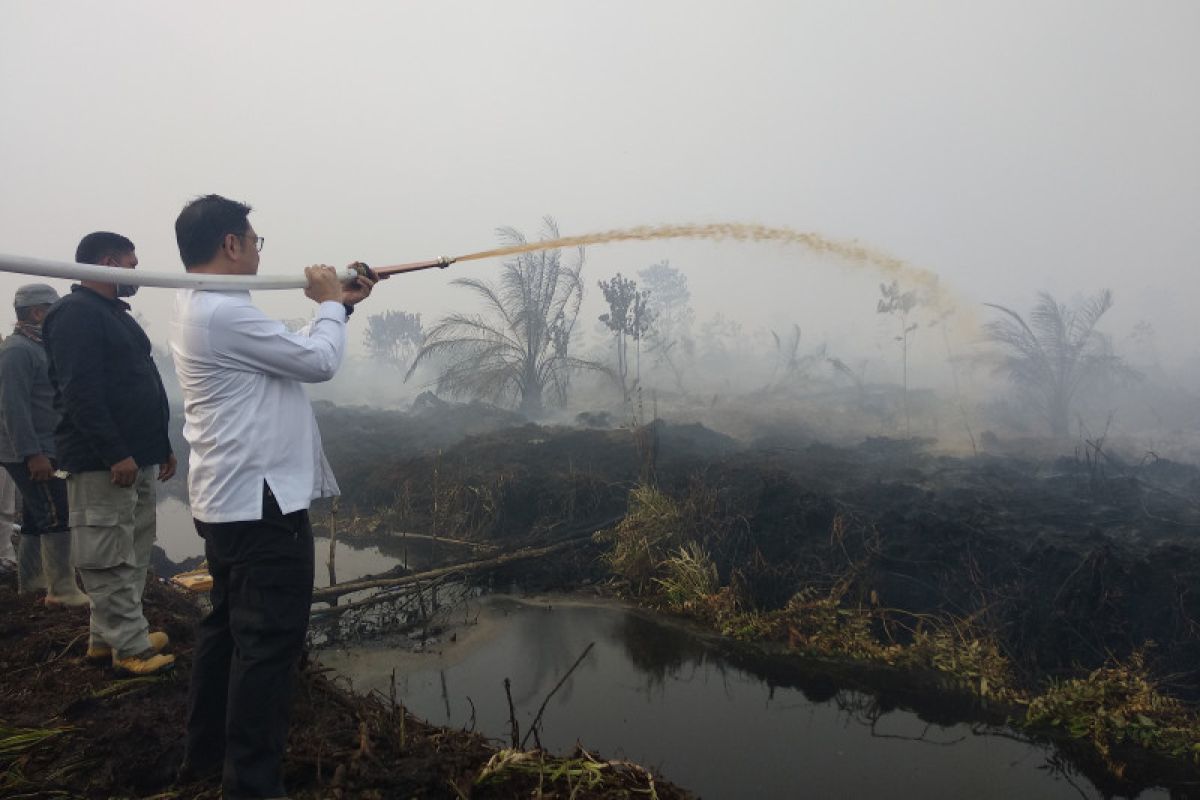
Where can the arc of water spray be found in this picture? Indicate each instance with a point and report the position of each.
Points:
(852, 252)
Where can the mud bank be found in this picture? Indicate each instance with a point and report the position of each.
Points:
(73, 730)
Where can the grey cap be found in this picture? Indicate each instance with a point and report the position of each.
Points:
(35, 294)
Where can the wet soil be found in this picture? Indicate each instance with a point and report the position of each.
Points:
(123, 738)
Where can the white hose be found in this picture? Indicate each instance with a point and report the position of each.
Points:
(136, 277)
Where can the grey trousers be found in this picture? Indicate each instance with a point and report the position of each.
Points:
(112, 531)
(8, 516)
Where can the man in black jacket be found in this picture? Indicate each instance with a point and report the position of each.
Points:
(112, 440)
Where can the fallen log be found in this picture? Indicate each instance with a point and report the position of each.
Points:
(387, 596)
(443, 539)
(467, 568)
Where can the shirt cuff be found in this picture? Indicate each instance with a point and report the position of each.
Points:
(331, 309)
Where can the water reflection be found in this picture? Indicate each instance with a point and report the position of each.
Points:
(179, 541)
(714, 723)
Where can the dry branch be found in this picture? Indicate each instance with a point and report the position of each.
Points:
(467, 568)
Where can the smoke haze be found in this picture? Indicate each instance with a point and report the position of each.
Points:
(1006, 147)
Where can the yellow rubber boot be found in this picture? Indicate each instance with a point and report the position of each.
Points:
(99, 652)
(147, 663)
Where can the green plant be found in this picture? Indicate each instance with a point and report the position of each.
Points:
(1118, 704)
(818, 622)
(972, 658)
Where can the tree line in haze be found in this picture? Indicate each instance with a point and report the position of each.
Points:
(520, 346)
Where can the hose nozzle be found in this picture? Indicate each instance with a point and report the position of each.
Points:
(437, 263)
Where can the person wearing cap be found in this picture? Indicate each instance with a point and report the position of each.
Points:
(27, 423)
(112, 441)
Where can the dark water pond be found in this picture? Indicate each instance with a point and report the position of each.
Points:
(664, 697)
(721, 725)
(178, 538)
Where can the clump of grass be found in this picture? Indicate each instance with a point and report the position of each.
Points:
(969, 656)
(15, 745)
(819, 623)
(16, 741)
(653, 526)
(554, 775)
(585, 772)
(691, 577)
(1115, 705)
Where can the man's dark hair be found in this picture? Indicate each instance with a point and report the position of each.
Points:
(95, 247)
(203, 225)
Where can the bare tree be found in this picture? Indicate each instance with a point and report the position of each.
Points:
(519, 348)
(1056, 353)
(900, 305)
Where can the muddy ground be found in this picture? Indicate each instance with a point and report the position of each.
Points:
(106, 737)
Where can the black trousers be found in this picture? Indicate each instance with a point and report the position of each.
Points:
(248, 648)
(43, 503)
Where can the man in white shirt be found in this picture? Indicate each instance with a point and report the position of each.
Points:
(256, 463)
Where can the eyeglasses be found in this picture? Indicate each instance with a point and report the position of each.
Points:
(258, 240)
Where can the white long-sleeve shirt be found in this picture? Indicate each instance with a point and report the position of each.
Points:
(247, 417)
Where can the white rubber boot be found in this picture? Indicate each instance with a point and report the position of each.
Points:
(30, 576)
(60, 571)
(8, 554)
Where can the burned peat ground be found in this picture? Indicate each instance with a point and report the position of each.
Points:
(72, 730)
(1059, 592)
(1055, 593)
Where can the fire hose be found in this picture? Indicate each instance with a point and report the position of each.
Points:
(46, 268)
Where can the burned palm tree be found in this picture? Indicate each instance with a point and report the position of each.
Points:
(1055, 354)
(519, 348)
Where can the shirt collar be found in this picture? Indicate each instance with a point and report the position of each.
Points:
(89, 292)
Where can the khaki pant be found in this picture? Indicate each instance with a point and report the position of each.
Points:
(112, 531)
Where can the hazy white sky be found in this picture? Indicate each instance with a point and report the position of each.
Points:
(1008, 146)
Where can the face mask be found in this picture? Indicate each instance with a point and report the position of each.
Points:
(126, 290)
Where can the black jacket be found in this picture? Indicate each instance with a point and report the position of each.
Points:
(107, 387)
